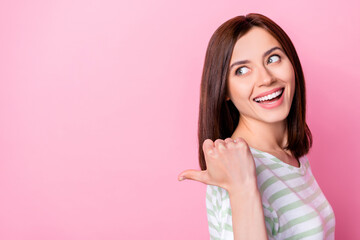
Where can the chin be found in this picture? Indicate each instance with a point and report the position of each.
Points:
(276, 117)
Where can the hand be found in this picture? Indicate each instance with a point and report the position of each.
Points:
(230, 165)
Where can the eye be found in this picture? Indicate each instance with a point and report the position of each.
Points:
(274, 58)
(241, 71)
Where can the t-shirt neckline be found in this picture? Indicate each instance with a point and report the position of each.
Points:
(273, 158)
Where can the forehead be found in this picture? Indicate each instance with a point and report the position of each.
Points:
(253, 44)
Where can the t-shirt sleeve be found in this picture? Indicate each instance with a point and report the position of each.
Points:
(271, 220)
(220, 218)
(218, 213)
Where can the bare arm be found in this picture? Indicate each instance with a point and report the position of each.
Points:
(230, 165)
(247, 215)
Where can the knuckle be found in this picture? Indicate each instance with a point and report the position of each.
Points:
(231, 145)
(207, 141)
(210, 152)
(221, 148)
(241, 143)
(219, 143)
(241, 146)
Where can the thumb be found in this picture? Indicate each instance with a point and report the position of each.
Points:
(200, 176)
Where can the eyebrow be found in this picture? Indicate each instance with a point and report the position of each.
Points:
(264, 55)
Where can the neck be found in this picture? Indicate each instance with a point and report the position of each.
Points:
(261, 135)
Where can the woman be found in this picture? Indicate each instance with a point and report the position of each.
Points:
(260, 184)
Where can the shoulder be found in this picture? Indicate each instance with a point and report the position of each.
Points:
(305, 161)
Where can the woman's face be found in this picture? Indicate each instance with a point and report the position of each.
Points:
(261, 81)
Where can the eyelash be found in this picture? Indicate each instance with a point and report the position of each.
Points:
(237, 70)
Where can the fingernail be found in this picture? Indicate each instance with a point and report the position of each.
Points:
(181, 178)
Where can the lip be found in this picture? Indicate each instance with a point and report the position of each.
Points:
(267, 93)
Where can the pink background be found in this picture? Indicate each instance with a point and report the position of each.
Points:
(99, 106)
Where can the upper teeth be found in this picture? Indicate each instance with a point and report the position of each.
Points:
(269, 97)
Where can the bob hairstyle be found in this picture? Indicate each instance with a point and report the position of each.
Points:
(218, 118)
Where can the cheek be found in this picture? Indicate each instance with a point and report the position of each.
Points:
(287, 75)
(239, 94)
(292, 82)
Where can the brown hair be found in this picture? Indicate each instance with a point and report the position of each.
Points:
(218, 118)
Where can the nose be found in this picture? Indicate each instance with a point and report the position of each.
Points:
(265, 76)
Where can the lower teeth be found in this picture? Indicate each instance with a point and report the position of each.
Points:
(267, 102)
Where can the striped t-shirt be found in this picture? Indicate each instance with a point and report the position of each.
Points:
(293, 203)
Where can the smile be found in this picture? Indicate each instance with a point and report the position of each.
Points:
(269, 97)
(271, 100)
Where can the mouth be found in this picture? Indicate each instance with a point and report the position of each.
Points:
(270, 98)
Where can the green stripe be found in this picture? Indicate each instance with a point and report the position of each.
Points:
(308, 184)
(260, 168)
(208, 197)
(214, 237)
(298, 203)
(269, 232)
(259, 155)
(322, 206)
(218, 205)
(228, 227)
(274, 179)
(290, 176)
(272, 225)
(331, 216)
(228, 212)
(306, 233)
(214, 192)
(267, 183)
(279, 194)
(216, 228)
(298, 220)
(272, 166)
(268, 208)
(286, 191)
(269, 221)
(210, 212)
(226, 197)
(329, 231)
